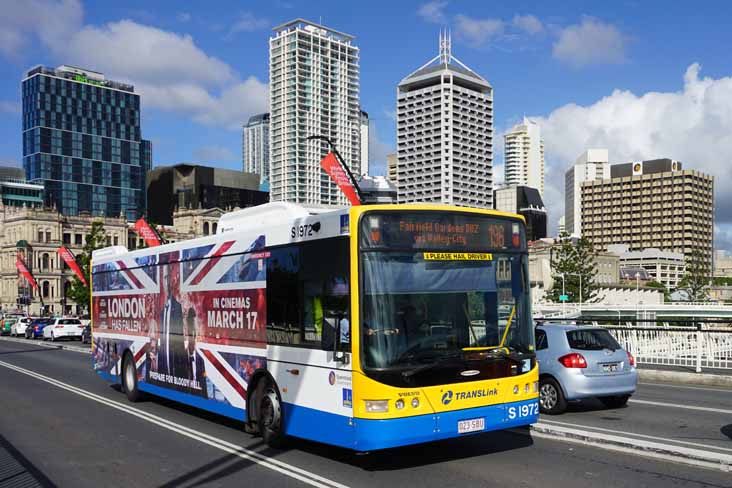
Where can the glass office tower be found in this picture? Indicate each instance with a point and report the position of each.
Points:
(81, 139)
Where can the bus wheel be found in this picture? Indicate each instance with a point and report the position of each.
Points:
(270, 421)
(129, 379)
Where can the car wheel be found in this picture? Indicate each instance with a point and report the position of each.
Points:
(615, 401)
(270, 420)
(551, 397)
(129, 379)
(53, 337)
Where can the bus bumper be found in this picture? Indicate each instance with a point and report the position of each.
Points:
(372, 435)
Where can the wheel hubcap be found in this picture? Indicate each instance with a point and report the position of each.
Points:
(129, 376)
(548, 396)
(270, 411)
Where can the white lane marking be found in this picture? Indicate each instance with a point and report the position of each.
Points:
(240, 451)
(720, 390)
(687, 407)
(633, 434)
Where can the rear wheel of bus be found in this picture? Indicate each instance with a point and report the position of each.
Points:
(129, 379)
(270, 415)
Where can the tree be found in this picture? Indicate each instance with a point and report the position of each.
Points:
(577, 263)
(95, 239)
(660, 286)
(697, 277)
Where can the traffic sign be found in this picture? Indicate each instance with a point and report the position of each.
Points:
(563, 298)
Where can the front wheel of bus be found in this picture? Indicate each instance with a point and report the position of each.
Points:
(129, 379)
(270, 421)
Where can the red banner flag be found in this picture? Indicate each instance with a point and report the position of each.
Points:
(147, 233)
(336, 172)
(70, 260)
(24, 271)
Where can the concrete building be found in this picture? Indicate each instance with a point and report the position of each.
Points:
(722, 264)
(651, 204)
(561, 226)
(590, 165)
(82, 140)
(195, 186)
(524, 155)
(663, 266)
(364, 143)
(540, 255)
(16, 191)
(525, 201)
(391, 168)
(255, 147)
(37, 233)
(313, 91)
(445, 134)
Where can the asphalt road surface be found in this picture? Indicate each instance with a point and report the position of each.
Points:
(62, 425)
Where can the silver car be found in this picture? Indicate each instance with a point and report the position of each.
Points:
(578, 362)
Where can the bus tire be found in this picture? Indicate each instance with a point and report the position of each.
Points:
(129, 379)
(270, 415)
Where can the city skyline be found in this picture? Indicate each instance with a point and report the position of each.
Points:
(190, 115)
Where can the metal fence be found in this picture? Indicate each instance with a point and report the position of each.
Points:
(694, 344)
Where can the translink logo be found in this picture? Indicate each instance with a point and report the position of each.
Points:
(447, 397)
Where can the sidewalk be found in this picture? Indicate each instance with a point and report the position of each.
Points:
(683, 375)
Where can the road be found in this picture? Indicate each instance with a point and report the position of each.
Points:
(64, 426)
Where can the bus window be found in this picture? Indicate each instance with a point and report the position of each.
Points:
(283, 296)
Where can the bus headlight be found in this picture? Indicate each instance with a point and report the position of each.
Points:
(399, 404)
(377, 406)
(535, 389)
(415, 402)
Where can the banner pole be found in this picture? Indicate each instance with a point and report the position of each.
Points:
(341, 161)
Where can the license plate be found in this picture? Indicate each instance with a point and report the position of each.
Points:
(471, 425)
(610, 368)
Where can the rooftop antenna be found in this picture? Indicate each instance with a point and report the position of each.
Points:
(445, 47)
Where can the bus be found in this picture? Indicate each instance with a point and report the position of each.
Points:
(367, 327)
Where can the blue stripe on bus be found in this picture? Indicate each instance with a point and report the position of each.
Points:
(186, 398)
(382, 434)
(317, 425)
(194, 401)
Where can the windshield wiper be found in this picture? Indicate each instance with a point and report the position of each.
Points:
(425, 367)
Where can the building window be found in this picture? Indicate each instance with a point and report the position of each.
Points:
(40, 236)
(205, 228)
(45, 288)
(48, 236)
(213, 231)
(77, 239)
(44, 262)
(67, 238)
(116, 240)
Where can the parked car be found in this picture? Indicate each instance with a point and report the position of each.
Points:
(86, 333)
(578, 362)
(18, 328)
(63, 328)
(35, 329)
(7, 325)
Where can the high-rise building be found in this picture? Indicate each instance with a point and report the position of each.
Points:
(364, 143)
(195, 186)
(561, 227)
(525, 201)
(651, 204)
(524, 155)
(255, 146)
(314, 91)
(391, 168)
(82, 140)
(445, 134)
(590, 165)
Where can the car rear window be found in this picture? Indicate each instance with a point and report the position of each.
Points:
(70, 321)
(591, 339)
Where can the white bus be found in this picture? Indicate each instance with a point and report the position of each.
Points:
(367, 327)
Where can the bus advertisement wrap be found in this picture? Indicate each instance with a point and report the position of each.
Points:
(195, 317)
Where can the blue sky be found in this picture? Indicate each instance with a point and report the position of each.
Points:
(645, 79)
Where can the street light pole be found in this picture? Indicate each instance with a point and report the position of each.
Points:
(564, 302)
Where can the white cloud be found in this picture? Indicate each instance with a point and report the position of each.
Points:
(528, 23)
(433, 12)
(169, 69)
(213, 154)
(10, 107)
(477, 32)
(590, 42)
(693, 125)
(248, 22)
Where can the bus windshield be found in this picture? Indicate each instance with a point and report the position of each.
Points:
(419, 307)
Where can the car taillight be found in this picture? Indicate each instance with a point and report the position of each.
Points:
(59, 326)
(35, 328)
(573, 360)
(631, 359)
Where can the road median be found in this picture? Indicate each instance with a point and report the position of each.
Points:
(68, 346)
(684, 377)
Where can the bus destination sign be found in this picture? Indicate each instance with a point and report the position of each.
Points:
(440, 231)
